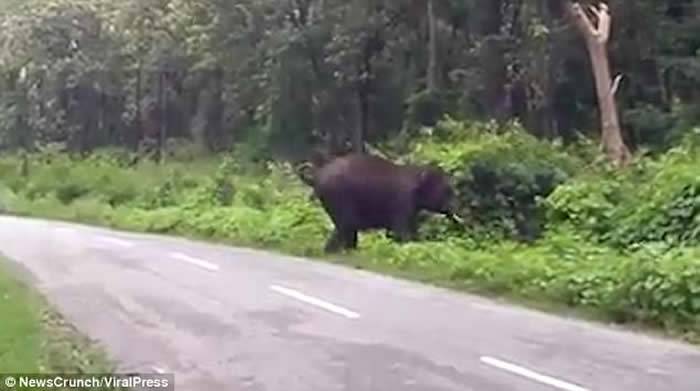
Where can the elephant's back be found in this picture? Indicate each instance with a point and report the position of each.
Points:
(364, 191)
(368, 185)
(360, 170)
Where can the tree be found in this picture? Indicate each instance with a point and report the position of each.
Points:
(596, 37)
(432, 48)
(287, 75)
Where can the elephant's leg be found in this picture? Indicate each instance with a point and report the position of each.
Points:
(344, 219)
(347, 227)
(335, 240)
(350, 237)
(333, 243)
(402, 227)
(413, 227)
(341, 239)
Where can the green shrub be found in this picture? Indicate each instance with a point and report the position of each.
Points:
(588, 203)
(656, 200)
(650, 125)
(662, 287)
(500, 174)
(425, 108)
(623, 243)
(8, 199)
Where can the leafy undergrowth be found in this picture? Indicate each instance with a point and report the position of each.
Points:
(36, 339)
(619, 244)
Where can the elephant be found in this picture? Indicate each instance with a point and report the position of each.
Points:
(361, 192)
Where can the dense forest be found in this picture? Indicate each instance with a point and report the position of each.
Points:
(188, 117)
(283, 76)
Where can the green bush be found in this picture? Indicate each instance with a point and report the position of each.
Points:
(623, 243)
(500, 174)
(425, 108)
(662, 287)
(650, 125)
(656, 200)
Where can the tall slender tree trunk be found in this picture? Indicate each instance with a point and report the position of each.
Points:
(163, 106)
(219, 139)
(365, 75)
(138, 137)
(610, 126)
(432, 49)
(199, 125)
(358, 137)
(596, 38)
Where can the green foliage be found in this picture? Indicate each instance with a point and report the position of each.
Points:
(622, 243)
(35, 339)
(275, 77)
(656, 200)
(662, 287)
(426, 108)
(650, 125)
(500, 173)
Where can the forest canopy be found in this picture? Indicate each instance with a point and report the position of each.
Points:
(284, 75)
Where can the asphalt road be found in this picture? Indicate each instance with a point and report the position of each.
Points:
(223, 318)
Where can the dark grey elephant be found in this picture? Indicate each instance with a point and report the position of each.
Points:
(362, 192)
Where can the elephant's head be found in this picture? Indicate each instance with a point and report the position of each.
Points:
(435, 193)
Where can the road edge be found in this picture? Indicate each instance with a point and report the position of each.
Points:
(63, 349)
(589, 317)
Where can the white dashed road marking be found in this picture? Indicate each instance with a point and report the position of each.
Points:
(159, 370)
(195, 261)
(524, 372)
(115, 241)
(314, 301)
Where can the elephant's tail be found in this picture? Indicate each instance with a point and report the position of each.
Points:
(307, 173)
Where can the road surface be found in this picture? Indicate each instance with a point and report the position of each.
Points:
(223, 318)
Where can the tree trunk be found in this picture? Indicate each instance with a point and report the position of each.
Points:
(163, 106)
(432, 49)
(218, 138)
(199, 123)
(138, 123)
(363, 91)
(358, 137)
(611, 133)
(596, 38)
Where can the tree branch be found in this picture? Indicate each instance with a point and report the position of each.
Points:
(247, 15)
(600, 30)
(580, 19)
(616, 84)
(603, 15)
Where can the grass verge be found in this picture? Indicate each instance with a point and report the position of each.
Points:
(585, 282)
(36, 339)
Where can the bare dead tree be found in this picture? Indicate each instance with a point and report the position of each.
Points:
(596, 33)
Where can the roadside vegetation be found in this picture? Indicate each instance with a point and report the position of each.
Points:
(35, 339)
(550, 225)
